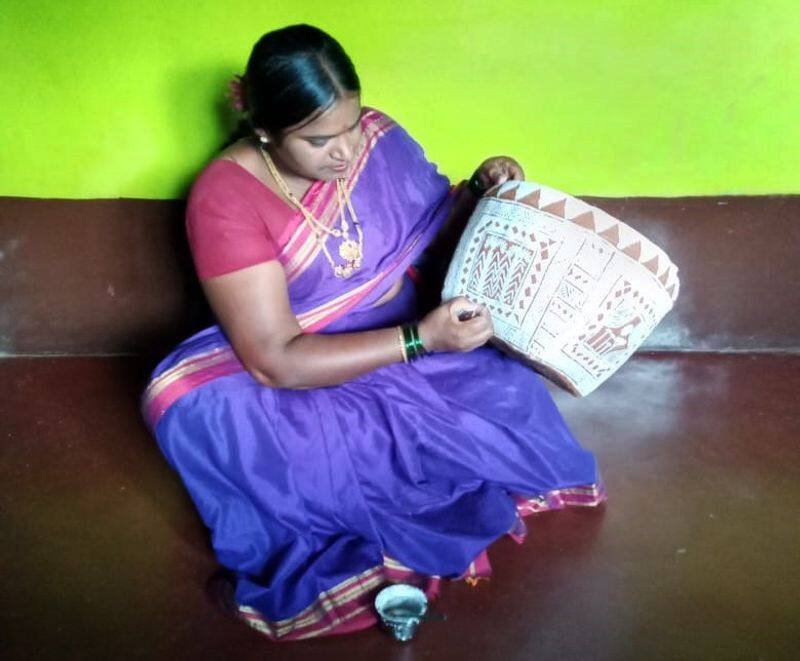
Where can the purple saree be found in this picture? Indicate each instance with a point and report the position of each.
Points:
(315, 498)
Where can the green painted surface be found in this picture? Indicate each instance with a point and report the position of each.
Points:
(126, 99)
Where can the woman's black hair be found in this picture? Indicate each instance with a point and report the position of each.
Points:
(292, 74)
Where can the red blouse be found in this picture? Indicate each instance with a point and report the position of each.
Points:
(232, 220)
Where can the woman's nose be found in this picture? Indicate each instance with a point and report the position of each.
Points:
(342, 149)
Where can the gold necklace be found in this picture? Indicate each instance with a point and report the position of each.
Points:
(350, 251)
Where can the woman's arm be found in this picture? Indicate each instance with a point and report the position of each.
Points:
(252, 305)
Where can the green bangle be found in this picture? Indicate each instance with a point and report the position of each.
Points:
(418, 347)
(409, 342)
(413, 344)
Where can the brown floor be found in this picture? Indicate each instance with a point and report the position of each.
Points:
(695, 556)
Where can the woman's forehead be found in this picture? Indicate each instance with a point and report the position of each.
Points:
(337, 118)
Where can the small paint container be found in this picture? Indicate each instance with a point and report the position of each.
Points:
(401, 608)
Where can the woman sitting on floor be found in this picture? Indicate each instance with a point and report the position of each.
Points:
(330, 441)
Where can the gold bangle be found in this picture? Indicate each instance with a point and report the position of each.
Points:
(401, 341)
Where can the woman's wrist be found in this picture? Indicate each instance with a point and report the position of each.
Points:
(426, 336)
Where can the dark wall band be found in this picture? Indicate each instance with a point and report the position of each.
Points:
(115, 276)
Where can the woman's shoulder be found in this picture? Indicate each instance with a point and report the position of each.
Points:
(242, 153)
(225, 188)
(226, 174)
(226, 219)
(228, 195)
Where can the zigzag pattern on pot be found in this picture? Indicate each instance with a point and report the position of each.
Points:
(615, 232)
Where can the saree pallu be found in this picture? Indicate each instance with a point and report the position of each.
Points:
(316, 498)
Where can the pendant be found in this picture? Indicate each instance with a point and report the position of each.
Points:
(349, 250)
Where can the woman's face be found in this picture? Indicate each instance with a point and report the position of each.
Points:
(325, 147)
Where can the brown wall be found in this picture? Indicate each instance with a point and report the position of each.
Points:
(114, 276)
(93, 276)
(739, 260)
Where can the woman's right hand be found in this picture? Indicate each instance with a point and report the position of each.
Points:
(456, 325)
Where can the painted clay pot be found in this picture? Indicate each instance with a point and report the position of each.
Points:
(572, 291)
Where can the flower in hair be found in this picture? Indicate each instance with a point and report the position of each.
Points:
(237, 94)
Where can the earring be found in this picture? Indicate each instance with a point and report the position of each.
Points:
(263, 139)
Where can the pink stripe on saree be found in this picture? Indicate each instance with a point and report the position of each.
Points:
(184, 377)
(585, 496)
(321, 316)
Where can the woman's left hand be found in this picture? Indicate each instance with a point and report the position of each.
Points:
(498, 170)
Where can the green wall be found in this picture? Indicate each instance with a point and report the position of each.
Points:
(605, 97)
